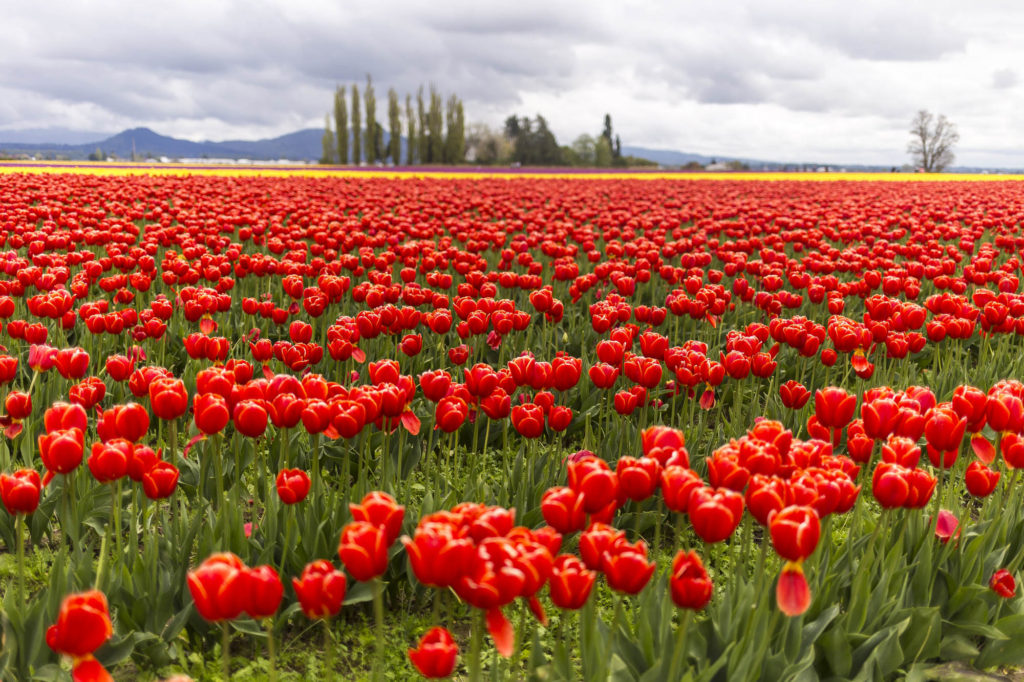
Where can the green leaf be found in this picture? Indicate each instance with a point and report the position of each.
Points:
(920, 641)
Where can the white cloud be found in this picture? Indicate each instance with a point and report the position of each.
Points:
(770, 79)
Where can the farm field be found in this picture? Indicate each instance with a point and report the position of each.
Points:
(268, 424)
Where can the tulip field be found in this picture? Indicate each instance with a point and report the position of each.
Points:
(362, 426)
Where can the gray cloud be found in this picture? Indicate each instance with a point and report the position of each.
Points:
(1004, 78)
(770, 77)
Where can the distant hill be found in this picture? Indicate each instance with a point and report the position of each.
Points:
(302, 145)
(665, 157)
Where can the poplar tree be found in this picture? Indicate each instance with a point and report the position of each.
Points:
(410, 143)
(424, 139)
(371, 121)
(356, 125)
(435, 124)
(395, 121)
(341, 124)
(328, 142)
(455, 140)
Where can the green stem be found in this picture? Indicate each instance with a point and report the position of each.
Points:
(476, 642)
(378, 614)
(19, 530)
(270, 650)
(116, 521)
(101, 569)
(680, 645)
(328, 650)
(225, 656)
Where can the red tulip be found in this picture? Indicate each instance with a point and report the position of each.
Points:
(250, 418)
(72, 363)
(626, 568)
(571, 582)
(638, 478)
(168, 398)
(1003, 584)
(61, 416)
(795, 531)
(363, 550)
(450, 413)
(292, 485)
(715, 513)
(438, 558)
(83, 625)
(834, 407)
(980, 480)
(890, 485)
(794, 394)
(603, 375)
(62, 450)
(109, 461)
(597, 540)
(689, 584)
(562, 509)
(218, 587)
(18, 405)
(380, 509)
(436, 654)
(593, 479)
(20, 491)
(119, 367)
(263, 592)
(210, 412)
(792, 593)
(677, 486)
(944, 430)
(160, 480)
(320, 589)
(528, 420)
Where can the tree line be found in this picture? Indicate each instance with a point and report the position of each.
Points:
(530, 142)
(435, 130)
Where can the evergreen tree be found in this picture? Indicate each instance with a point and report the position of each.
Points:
(371, 121)
(455, 140)
(328, 143)
(379, 153)
(424, 135)
(607, 132)
(410, 144)
(395, 121)
(435, 124)
(357, 157)
(341, 124)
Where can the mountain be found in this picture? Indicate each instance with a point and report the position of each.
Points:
(665, 157)
(302, 145)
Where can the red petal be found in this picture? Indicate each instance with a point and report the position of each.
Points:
(358, 355)
(983, 449)
(90, 670)
(267, 373)
(713, 321)
(502, 632)
(332, 432)
(859, 362)
(538, 610)
(707, 400)
(193, 441)
(207, 325)
(411, 422)
(13, 430)
(792, 593)
(47, 477)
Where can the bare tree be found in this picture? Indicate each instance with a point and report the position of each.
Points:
(932, 141)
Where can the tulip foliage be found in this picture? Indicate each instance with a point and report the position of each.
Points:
(535, 428)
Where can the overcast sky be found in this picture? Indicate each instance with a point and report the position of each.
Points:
(768, 79)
